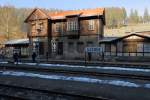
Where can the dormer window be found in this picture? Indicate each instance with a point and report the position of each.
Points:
(91, 25)
(72, 25)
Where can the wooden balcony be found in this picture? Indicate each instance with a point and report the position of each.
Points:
(74, 34)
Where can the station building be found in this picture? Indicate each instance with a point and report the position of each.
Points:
(65, 34)
(20, 46)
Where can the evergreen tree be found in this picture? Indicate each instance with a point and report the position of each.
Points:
(115, 17)
(134, 17)
(146, 16)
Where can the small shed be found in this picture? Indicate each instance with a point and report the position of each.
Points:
(21, 46)
(134, 44)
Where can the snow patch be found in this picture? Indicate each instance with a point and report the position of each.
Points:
(30, 63)
(123, 83)
(73, 78)
(3, 62)
(99, 67)
(90, 67)
(126, 69)
(147, 86)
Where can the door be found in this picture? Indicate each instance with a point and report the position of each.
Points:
(60, 48)
(41, 48)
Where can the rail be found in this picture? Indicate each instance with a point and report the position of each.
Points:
(20, 97)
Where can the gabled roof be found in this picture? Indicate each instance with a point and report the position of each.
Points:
(133, 34)
(37, 9)
(81, 13)
(64, 14)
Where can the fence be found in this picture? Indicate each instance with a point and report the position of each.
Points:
(137, 54)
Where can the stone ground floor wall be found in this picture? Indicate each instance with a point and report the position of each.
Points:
(64, 48)
(73, 48)
(39, 46)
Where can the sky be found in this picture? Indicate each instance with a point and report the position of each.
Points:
(140, 5)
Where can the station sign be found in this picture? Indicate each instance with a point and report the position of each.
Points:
(93, 49)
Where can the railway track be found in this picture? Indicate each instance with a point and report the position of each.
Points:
(8, 97)
(76, 72)
(24, 93)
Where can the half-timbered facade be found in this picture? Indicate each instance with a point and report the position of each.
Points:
(65, 34)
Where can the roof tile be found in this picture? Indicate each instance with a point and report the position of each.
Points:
(82, 13)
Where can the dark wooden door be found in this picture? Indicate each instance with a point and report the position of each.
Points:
(41, 48)
(60, 48)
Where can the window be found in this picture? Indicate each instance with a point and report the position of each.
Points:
(24, 51)
(53, 46)
(57, 27)
(91, 25)
(146, 47)
(72, 25)
(107, 47)
(80, 47)
(70, 47)
(41, 25)
(33, 28)
(89, 44)
(130, 47)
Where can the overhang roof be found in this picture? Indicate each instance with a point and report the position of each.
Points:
(107, 39)
(17, 41)
(20, 41)
(113, 39)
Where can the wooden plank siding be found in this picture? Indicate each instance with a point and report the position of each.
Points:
(33, 31)
(83, 27)
(128, 47)
(55, 33)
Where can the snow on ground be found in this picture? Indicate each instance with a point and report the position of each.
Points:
(3, 62)
(147, 85)
(114, 82)
(29, 63)
(97, 67)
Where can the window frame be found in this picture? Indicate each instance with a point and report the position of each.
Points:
(57, 27)
(91, 24)
(107, 47)
(80, 47)
(72, 25)
(146, 47)
(71, 46)
(33, 29)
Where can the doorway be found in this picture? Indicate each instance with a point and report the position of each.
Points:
(60, 48)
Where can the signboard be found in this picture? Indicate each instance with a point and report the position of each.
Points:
(93, 49)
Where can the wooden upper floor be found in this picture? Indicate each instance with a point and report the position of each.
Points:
(66, 23)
